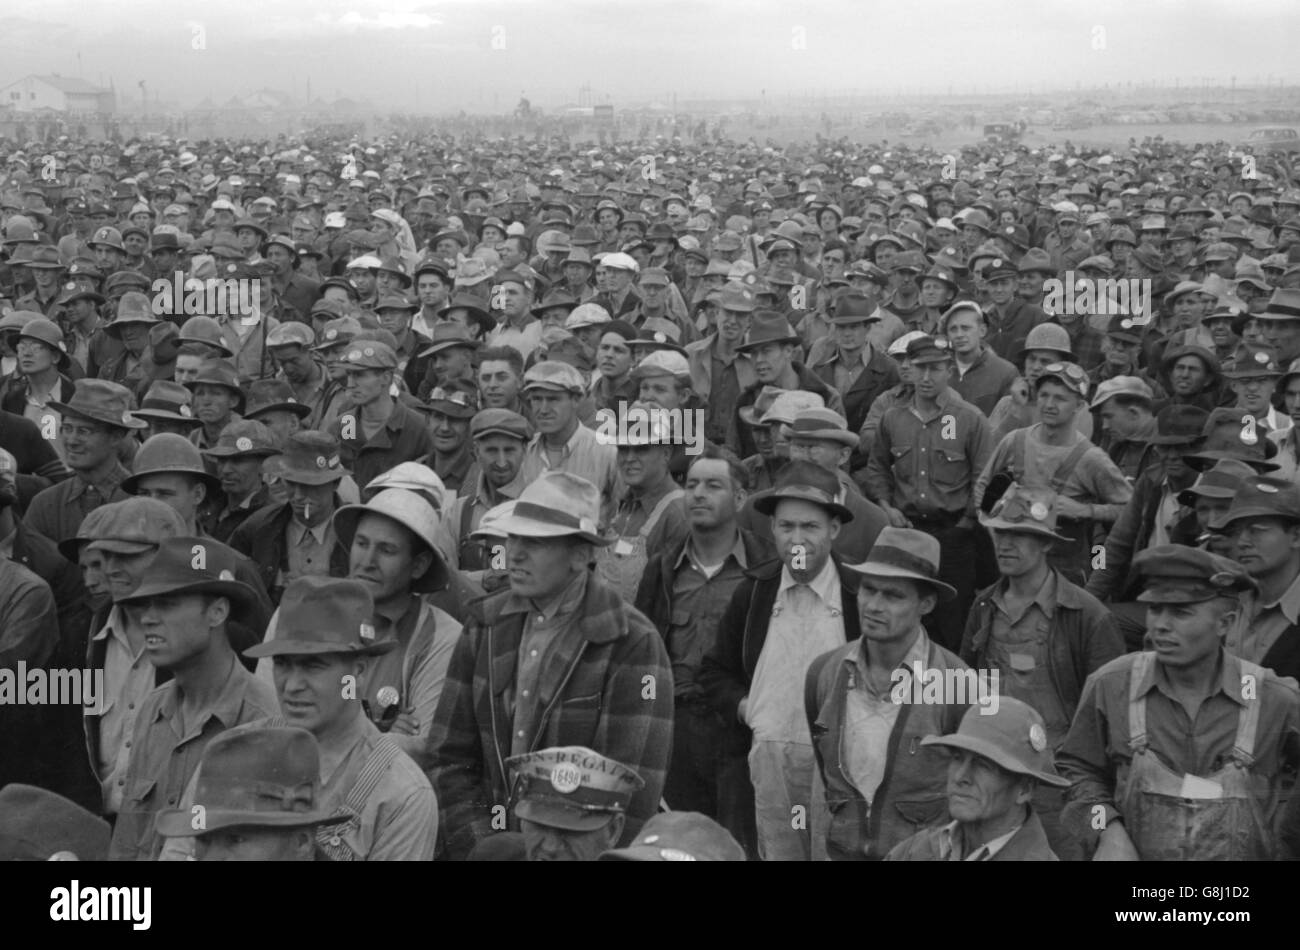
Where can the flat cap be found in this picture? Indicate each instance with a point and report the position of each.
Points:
(1177, 574)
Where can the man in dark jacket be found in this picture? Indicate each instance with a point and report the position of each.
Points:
(1040, 633)
(868, 709)
(684, 593)
(788, 613)
(855, 369)
(556, 660)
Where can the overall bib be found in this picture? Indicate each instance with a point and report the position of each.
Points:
(1173, 817)
(622, 564)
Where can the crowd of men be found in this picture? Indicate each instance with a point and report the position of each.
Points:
(965, 524)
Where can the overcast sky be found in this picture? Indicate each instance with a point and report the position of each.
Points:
(482, 54)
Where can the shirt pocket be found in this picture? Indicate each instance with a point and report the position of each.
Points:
(140, 797)
(923, 812)
(951, 467)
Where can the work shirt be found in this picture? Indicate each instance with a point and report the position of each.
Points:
(724, 391)
(985, 380)
(924, 462)
(524, 338)
(129, 678)
(1098, 741)
(166, 751)
(634, 509)
(308, 549)
(950, 844)
(700, 595)
(403, 437)
(583, 455)
(1259, 625)
(544, 626)
(869, 717)
(846, 373)
(57, 512)
(1017, 648)
(806, 622)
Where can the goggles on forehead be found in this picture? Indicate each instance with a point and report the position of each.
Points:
(1071, 371)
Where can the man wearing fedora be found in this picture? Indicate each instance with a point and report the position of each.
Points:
(46, 269)
(1149, 781)
(185, 605)
(719, 371)
(133, 365)
(37, 824)
(87, 343)
(1281, 322)
(259, 795)
(773, 347)
(326, 635)
(167, 407)
(296, 537)
(877, 789)
(558, 659)
(856, 370)
(94, 423)
(922, 468)
(238, 457)
(294, 292)
(996, 765)
(395, 313)
(272, 403)
(789, 612)
(449, 355)
(1041, 633)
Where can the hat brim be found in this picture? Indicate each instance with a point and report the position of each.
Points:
(759, 344)
(299, 409)
(1219, 522)
(1020, 527)
(995, 755)
(436, 578)
(179, 823)
(122, 423)
(211, 482)
(220, 453)
(120, 545)
(524, 527)
(843, 436)
(558, 816)
(766, 503)
(162, 415)
(241, 593)
(1203, 461)
(276, 467)
(291, 647)
(945, 592)
(449, 344)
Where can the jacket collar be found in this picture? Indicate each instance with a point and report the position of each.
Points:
(600, 618)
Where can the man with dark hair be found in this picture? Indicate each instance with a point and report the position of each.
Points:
(684, 593)
(981, 376)
(500, 378)
(1122, 405)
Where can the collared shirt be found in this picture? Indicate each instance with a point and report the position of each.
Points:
(309, 549)
(633, 512)
(1017, 648)
(403, 437)
(524, 338)
(167, 751)
(1098, 741)
(128, 680)
(1258, 625)
(57, 512)
(45, 415)
(543, 626)
(700, 594)
(724, 391)
(847, 373)
(925, 464)
(807, 621)
(869, 716)
(583, 455)
(453, 530)
(1166, 514)
(950, 841)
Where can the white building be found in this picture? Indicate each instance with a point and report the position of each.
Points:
(56, 93)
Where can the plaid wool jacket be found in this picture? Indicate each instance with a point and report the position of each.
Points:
(607, 685)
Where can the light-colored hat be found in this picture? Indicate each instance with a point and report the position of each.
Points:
(1121, 386)
(1025, 510)
(412, 511)
(556, 505)
(825, 424)
(1012, 736)
(788, 404)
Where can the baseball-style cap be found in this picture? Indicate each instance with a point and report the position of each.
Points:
(1177, 574)
(571, 787)
(499, 422)
(368, 354)
(554, 375)
(1121, 386)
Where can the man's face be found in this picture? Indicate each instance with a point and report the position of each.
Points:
(662, 391)
(732, 325)
(386, 282)
(240, 475)
(540, 567)
(511, 299)
(1019, 552)
(91, 562)
(1207, 510)
(1185, 635)
(932, 380)
(295, 362)
(934, 293)
(431, 291)
(311, 688)
(337, 295)
(1029, 286)
(1284, 335)
(363, 278)
(1264, 545)
(544, 843)
(255, 844)
(712, 499)
(81, 311)
(135, 336)
(851, 337)
(1002, 290)
(449, 433)
(385, 558)
(1188, 376)
(182, 493)
(771, 361)
(553, 411)
(499, 457)
(124, 572)
(178, 627)
(187, 368)
(107, 259)
(1254, 393)
(613, 357)
(1119, 353)
(451, 363)
(281, 259)
(213, 404)
(87, 445)
(394, 320)
(512, 253)
(367, 385)
(1120, 421)
(311, 504)
(643, 465)
(804, 533)
(981, 791)
(1291, 397)
(890, 608)
(823, 452)
(965, 331)
(34, 357)
(1056, 404)
(498, 383)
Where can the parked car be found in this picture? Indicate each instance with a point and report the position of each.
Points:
(1273, 138)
